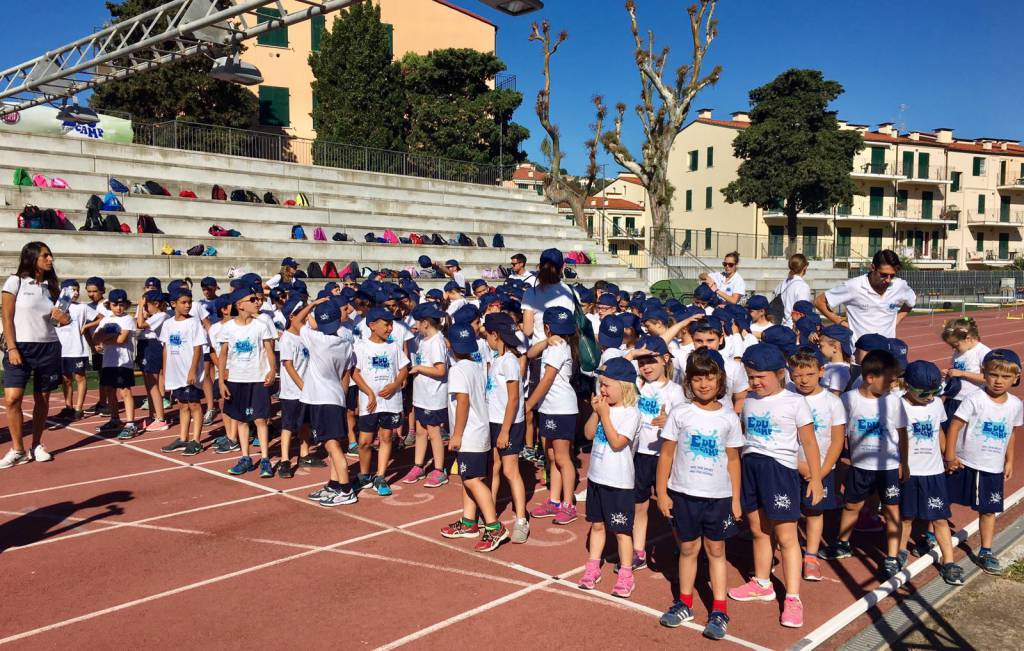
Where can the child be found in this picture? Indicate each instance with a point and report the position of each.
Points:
(835, 342)
(429, 394)
(658, 397)
(182, 338)
(467, 409)
(380, 372)
(95, 288)
(707, 333)
(246, 372)
(924, 495)
(873, 414)
(609, 338)
(698, 486)
(757, 306)
(74, 356)
(209, 287)
(149, 317)
(454, 295)
(979, 447)
(221, 315)
(963, 337)
(117, 377)
(506, 415)
(294, 419)
(829, 416)
(776, 423)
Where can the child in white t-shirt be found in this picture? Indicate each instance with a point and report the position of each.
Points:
(294, 361)
(228, 442)
(963, 337)
(429, 395)
(74, 356)
(836, 344)
(114, 333)
(707, 333)
(150, 315)
(182, 338)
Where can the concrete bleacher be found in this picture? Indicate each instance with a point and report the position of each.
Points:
(348, 201)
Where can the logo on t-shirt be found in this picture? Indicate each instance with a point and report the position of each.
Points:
(243, 349)
(304, 353)
(419, 359)
(599, 435)
(922, 430)
(705, 446)
(869, 427)
(174, 340)
(649, 405)
(819, 424)
(489, 387)
(995, 430)
(380, 362)
(477, 357)
(959, 364)
(761, 426)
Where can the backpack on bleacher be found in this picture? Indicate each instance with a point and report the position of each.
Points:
(389, 236)
(330, 270)
(499, 241)
(438, 240)
(252, 197)
(198, 249)
(239, 195)
(480, 242)
(340, 237)
(218, 194)
(314, 270)
(415, 238)
(301, 199)
(111, 224)
(319, 235)
(30, 217)
(118, 187)
(463, 240)
(146, 224)
(156, 189)
(268, 197)
(370, 238)
(298, 232)
(93, 218)
(40, 181)
(138, 188)
(111, 203)
(22, 177)
(187, 194)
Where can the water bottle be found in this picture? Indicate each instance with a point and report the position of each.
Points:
(63, 302)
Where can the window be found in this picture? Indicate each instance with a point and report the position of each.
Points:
(810, 241)
(843, 236)
(775, 247)
(927, 200)
(908, 164)
(707, 238)
(981, 204)
(522, 186)
(317, 25)
(922, 165)
(615, 225)
(1004, 246)
(276, 37)
(634, 249)
(274, 106)
(952, 254)
(711, 157)
(979, 243)
(1004, 208)
(693, 160)
(955, 178)
(707, 197)
(630, 224)
(1002, 172)
(978, 166)
(689, 200)
(539, 188)
(874, 240)
(687, 241)
(590, 223)
(877, 196)
(391, 39)
(901, 199)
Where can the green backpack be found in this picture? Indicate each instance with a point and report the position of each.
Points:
(21, 177)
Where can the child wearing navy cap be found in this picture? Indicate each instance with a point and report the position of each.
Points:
(74, 355)
(429, 394)
(454, 296)
(95, 288)
(114, 333)
(294, 357)
(836, 344)
(963, 336)
(757, 306)
(707, 333)
(182, 338)
(150, 316)
(221, 315)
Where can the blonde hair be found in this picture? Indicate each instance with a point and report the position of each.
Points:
(956, 330)
(629, 398)
(1001, 365)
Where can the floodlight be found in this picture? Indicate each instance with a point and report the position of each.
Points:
(514, 7)
(77, 114)
(234, 70)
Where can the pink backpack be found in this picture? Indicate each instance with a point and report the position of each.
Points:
(319, 235)
(40, 181)
(59, 183)
(390, 237)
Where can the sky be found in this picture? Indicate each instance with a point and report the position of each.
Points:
(921, 64)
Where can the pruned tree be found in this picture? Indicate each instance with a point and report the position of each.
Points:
(558, 189)
(663, 109)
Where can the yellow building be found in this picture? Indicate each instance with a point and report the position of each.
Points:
(282, 55)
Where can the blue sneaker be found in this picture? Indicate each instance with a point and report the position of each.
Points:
(255, 442)
(952, 574)
(363, 481)
(838, 550)
(353, 450)
(266, 468)
(676, 615)
(227, 446)
(989, 563)
(717, 624)
(243, 466)
(381, 486)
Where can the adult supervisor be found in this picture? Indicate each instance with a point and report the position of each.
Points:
(728, 284)
(875, 302)
(31, 348)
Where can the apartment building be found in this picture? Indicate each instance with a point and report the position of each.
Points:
(619, 217)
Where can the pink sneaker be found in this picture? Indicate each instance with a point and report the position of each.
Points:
(435, 479)
(414, 475)
(566, 514)
(752, 591)
(792, 613)
(591, 575)
(548, 509)
(157, 425)
(624, 584)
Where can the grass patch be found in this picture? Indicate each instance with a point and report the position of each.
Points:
(1015, 571)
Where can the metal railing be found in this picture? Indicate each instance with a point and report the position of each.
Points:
(996, 217)
(875, 168)
(919, 172)
(1009, 179)
(191, 136)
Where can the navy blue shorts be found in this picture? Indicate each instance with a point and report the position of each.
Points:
(293, 415)
(645, 473)
(771, 486)
(206, 358)
(612, 506)
(829, 498)
(74, 365)
(980, 490)
(326, 422)
(117, 377)
(557, 427)
(516, 438)
(472, 465)
(352, 397)
(431, 417)
(188, 393)
(40, 363)
(371, 423)
(150, 355)
(249, 401)
(861, 483)
(710, 517)
(925, 497)
(97, 362)
(950, 405)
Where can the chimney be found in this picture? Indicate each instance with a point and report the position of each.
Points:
(740, 116)
(944, 135)
(841, 123)
(1002, 145)
(914, 135)
(704, 113)
(886, 129)
(986, 144)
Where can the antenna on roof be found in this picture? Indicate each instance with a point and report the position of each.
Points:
(901, 124)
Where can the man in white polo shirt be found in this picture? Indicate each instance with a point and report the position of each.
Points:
(875, 302)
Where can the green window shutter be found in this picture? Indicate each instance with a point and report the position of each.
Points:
(877, 160)
(707, 238)
(1002, 172)
(613, 248)
(274, 110)
(902, 197)
(981, 204)
(1004, 208)
(843, 236)
(874, 240)
(634, 249)
(979, 243)
(977, 166)
(689, 200)
(927, 199)
(391, 39)
(707, 197)
(711, 156)
(955, 178)
(810, 241)
(908, 164)
(630, 223)
(539, 188)
(876, 199)
(775, 235)
(1004, 246)
(615, 225)
(317, 25)
(922, 165)
(1022, 170)
(693, 160)
(275, 37)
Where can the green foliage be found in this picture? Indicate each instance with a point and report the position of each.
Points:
(794, 153)
(183, 90)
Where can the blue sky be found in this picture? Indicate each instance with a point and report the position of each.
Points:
(948, 64)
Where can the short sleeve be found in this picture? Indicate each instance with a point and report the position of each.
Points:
(269, 332)
(673, 424)
(841, 294)
(910, 298)
(403, 359)
(838, 412)
(802, 412)
(557, 356)
(739, 380)
(1018, 416)
(966, 411)
(510, 369)
(12, 285)
(734, 432)
(223, 336)
(198, 334)
(457, 382)
(628, 423)
(128, 324)
(529, 300)
(287, 349)
(156, 320)
(901, 415)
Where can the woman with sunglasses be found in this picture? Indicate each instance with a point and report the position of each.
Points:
(728, 283)
(875, 302)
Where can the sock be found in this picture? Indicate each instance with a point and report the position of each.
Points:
(984, 550)
(639, 553)
(492, 526)
(555, 502)
(810, 554)
(764, 583)
(469, 523)
(795, 597)
(334, 485)
(720, 606)
(687, 599)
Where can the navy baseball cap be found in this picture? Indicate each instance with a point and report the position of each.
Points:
(1003, 355)
(252, 278)
(452, 286)
(636, 304)
(478, 283)
(607, 300)
(655, 314)
(554, 256)
(221, 302)
(804, 307)
(69, 282)
(707, 323)
(923, 376)
(618, 368)
(713, 355)
(723, 316)
(434, 294)
(654, 344)
(487, 299)
(427, 311)
(290, 306)
(152, 281)
(703, 293)
(209, 281)
(764, 357)
(693, 310)
(585, 295)
(779, 336)
(452, 263)
(842, 334)
(560, 320)
(623, 296)
(379, 314)
(811, 350)
(425, 261)
(118, 296)
(462, 338)
(331, 286)
(152, 296)
(612, 289)
(277, 293)
(290, 262)
(899, 350)
(340, 300)
(466, 314)
(96, 282)
(504, 326)
(757, 302)
(324, 293)
(328, 317)
(808, 324)
(609, 334)
(630, 321)
(178, 293)
(872, 341)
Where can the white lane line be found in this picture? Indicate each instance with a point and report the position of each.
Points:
(152, 527)
(90, 481)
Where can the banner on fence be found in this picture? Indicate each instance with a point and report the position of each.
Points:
(43, 120)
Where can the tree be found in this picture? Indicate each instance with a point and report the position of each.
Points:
(794, 153)
(453, 113)
(663, 109)
(558, 188)
(183, 90)
(358, 88)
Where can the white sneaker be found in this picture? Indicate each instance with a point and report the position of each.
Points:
(520, 531)
(339, 498)
(14, 458)
(39, 453)
(581, 496)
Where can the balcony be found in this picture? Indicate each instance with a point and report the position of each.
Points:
(620, 234)
(775, 215)
(1003, 218)
(1010, 183)
(991, 258)
(876, 171)
(918, 215)
(919, 175)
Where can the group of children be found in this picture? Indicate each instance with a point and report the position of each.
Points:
(715, 412)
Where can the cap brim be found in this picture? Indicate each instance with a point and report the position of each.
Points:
(329, 327)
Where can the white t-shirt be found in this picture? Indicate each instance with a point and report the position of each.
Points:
(560, 398)
(970, 361)
(427, 392)
(652, 399)
(734, 285)
(990, 424)
(400, 332)
(329, 357)
(680, 355)
(180, 338)
(380, 364)
(468, 377)
(72, 341)
(792, 290)
(459, 277)
(292, 349)
(827, 411)
(247, 359)
(756, 328)
(539, 298)
(98, 309)
(866, 310)
(610, 467)
(31, 310)
(153, 325)
(413, 340)
(700, 467)
(528, 277)
(118, 355)
(871, 430)
(836, 377)
(924, 432)
(503, 370)
(454, 306)
(771, 425)
(736, 380)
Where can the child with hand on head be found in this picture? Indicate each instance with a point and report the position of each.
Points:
(963, 337)
(114, 333)
(74, 356)
(429, 394)
(182, 338)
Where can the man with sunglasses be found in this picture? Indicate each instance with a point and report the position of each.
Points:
(728, 283)
(519, 272)
(875, 302)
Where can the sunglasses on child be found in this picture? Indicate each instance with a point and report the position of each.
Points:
(926, 393)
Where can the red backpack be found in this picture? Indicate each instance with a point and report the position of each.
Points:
(330, 271)
(187, 194)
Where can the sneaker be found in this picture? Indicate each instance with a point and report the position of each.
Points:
(209, 417)
(363, 481)
(435, 479)
(718, 623)
(41, 454)
(566, 514)
(157, 425)
(792, 613)
(676, 615)
(64, 414)
(339, 498)
(812, 568)
(128, 432)
(192, 448)
(381, 486)
(255, 442)
(902, 556)
(923, 546)
(460, 529)
(353, 450)
(952, 574)
(227, 446)
(243, 466)
(312, 461)
(78, 415)
(110, 426)
(167, 403)
(491, 539)
(177, 445)
(520, 531)
(145, 404)
(95, 409)
(14, 458)
(890, 568)
(527, 454)
(836, 551)
(639, 561)
(868, 522)
(548, 509)
(284, 470)
(989, 563)
(414, 475)
(624, 585)
(752, 591)
(321, 493)
(409, 441)
(591, 575)
(266, 468)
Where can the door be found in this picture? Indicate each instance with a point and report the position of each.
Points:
(1004, 246)
(1002, 172)
(775, 237)
(874, 240)
(877, 160)
(843, 236)
(908, 164)
(922, 165)
(1004, 209)
(902, 199)
(810, 241)
(876, 201)
(918, 244)
(927, 198)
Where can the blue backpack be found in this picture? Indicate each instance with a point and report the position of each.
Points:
(499, 241)
(298, 232)
(111, 203)
(118, 187)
